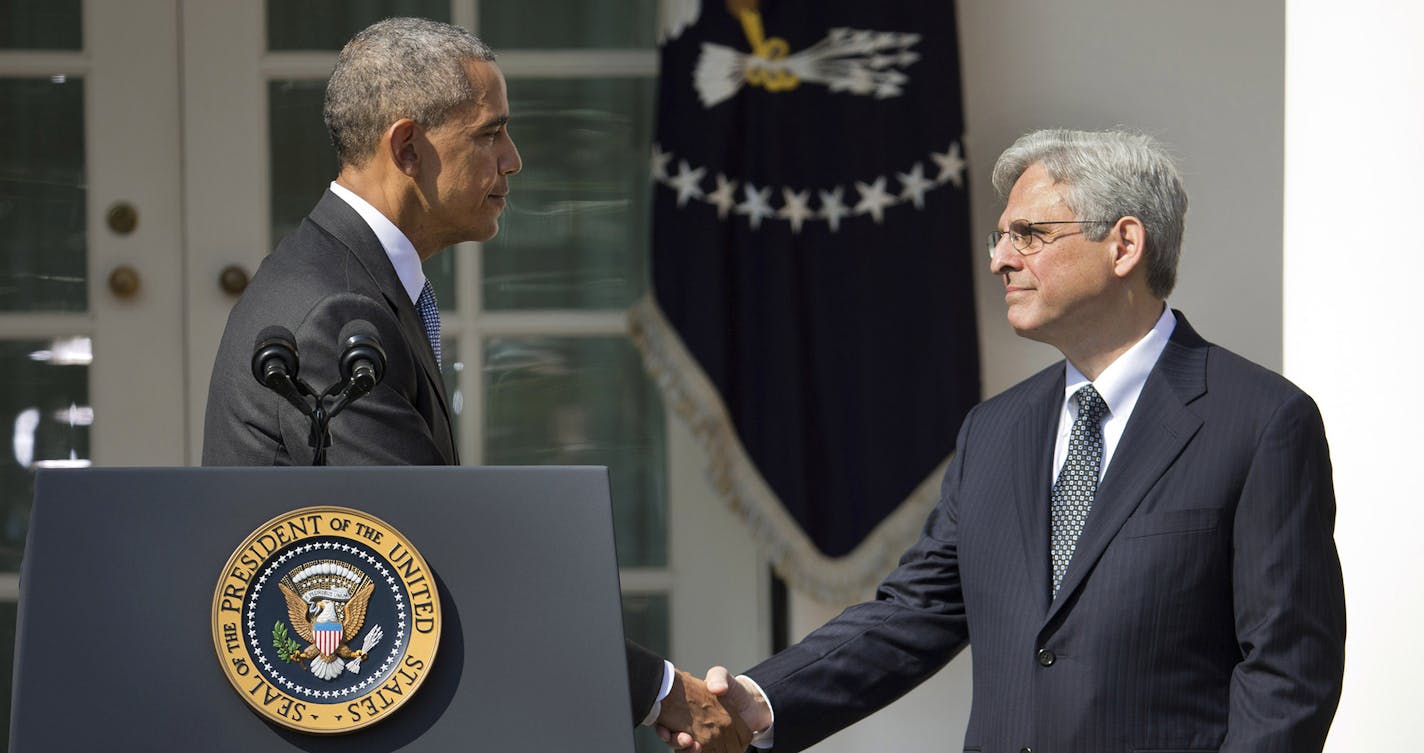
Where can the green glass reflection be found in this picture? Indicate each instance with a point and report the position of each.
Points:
(583, 24)
(42, 197)
(303, 163)
(328, 24)
(583, 401)
(450, 369)
(44, 401)
(645, 620)
(575, 233)
(302, 159)
(41, 25)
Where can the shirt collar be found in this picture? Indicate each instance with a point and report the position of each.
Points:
(1121, 382)
(402, 254)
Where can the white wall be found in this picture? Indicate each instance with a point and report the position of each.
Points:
(1354, 123)
(1204, 76)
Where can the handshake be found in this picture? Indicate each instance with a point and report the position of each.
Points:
(716, 715)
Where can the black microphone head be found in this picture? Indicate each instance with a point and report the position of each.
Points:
(360, 345)
(275, 352)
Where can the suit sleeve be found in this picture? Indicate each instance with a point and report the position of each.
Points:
(645, 679)
(873, 653)
(1288, 591)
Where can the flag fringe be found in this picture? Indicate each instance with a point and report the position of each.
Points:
(832, 581)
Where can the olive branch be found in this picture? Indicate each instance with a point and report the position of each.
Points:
(287, 648)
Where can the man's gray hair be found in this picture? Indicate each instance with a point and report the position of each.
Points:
(397, 68)
(1109, 175)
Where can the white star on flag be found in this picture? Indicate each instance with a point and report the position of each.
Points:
(722, 198)
(755, 207)
(660, 163)
(915, 184)
(833, 208)
(797, 209)
(951, 166)
(873, 199)
(687, 182)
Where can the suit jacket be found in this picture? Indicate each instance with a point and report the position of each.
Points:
(332, 270)
(1203, 609)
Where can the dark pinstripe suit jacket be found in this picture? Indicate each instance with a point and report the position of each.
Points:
(1203, 609)
(331, 270)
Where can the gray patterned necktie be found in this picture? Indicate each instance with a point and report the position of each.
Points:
(430, 317)
(1078, 481)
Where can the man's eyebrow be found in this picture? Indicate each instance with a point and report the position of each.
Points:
(497, 122)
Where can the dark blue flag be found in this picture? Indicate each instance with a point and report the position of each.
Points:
(812, 311)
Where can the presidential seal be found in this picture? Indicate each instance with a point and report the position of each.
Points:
(326, 620)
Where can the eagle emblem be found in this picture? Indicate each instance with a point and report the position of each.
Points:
(326, 605)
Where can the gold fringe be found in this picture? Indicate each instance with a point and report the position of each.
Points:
(833, 581)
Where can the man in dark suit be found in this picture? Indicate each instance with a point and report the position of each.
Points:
(1137, 541)
(418, 113)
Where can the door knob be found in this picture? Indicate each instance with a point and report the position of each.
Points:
(124, 281)
(232, 279)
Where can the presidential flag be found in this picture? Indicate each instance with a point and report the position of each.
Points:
(812, 310)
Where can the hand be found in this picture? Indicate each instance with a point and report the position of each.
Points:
(693, 718)
(740, 697)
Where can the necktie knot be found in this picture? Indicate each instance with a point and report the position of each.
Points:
(429, 310)
(1091, 406)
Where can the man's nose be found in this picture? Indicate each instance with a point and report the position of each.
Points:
(1004, 256)
(511, 163)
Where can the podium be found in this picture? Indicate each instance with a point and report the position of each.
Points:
(116, 650)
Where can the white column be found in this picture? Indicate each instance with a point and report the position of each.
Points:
(1352, 266)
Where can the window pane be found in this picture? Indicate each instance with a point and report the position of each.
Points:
(327, 24)
(302, 159)
(450, 368)
(303, 163)
(42, 197)
(587, 23)
(41, 25)
(583, 401)
(645, 620)
(575, 234)
(44, 404)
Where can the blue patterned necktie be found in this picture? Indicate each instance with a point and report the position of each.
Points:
(1078, 481)
(430, 317)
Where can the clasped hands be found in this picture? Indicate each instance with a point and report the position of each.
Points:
(716, 715)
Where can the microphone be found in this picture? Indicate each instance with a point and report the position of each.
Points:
(363, 360)
(274, 357)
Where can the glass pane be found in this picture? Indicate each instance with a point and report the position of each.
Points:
(9, 611)
(41, 25)
(303, 163)
(587, 23)
(42, 197)
(645, 620)
(44, 396)
(327, 24)
(450, 369)
(302, 160)
(583, 401)
(575, 233)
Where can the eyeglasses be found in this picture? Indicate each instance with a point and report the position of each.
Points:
(1025, 239)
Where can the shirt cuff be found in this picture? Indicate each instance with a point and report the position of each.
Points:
(663, 691)
(763, 739)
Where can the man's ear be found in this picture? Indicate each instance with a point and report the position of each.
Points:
(400, 142)
(1129, 239)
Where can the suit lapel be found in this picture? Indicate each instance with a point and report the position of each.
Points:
(1160, 427)
(1035, 434)
(338, 218)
